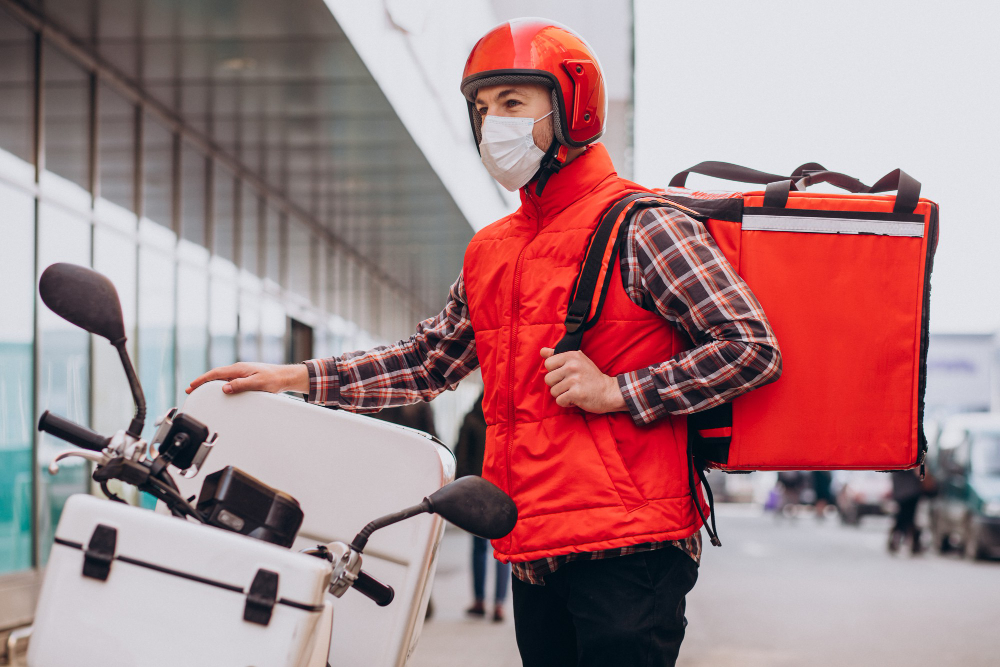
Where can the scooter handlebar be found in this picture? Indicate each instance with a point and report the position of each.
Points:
(71, 432)
(381, 594)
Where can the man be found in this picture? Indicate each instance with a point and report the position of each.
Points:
(590, 444)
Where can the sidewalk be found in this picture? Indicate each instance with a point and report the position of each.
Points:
(780, 593)
(449, 638)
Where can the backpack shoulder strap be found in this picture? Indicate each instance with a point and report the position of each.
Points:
(598, 266)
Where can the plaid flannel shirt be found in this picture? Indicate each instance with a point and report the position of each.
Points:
(670, 265)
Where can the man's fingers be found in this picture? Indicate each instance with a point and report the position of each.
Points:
(570, 360)
(547, 352)
(552, 378)
(220, 373)
(562, 387)
(553, 362)
(234, 386)
(564, 401)
(255, 382)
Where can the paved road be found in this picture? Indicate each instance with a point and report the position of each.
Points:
(449, 638)
(781, 593)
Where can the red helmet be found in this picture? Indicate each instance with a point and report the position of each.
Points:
(533, 50)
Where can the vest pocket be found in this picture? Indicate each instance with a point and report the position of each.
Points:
(621, 478)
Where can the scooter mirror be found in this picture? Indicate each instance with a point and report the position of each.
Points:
(84, 298)
(90, 301)
(475, 505)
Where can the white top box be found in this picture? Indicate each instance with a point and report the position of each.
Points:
(345, 470)
(169, 592)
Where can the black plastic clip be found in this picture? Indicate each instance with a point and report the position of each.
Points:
(100, 552)
(574, 321)
(261, 597)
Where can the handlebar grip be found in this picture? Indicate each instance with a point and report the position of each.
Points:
(381, 594)
(71, 432)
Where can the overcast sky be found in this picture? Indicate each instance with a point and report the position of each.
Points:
(861, 87)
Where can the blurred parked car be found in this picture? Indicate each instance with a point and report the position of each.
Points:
(966, 511)
(862, 493)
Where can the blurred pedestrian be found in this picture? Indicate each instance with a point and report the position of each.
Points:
(821, 483)
(792, 484)
(469, 457)
(906, 491)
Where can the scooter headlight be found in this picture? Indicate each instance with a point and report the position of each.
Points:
(992, 509)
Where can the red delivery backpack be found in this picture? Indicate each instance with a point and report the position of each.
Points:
(844, 280)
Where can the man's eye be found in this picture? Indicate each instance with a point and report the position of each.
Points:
(512, 103)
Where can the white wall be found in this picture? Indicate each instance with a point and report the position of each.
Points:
(862, 87)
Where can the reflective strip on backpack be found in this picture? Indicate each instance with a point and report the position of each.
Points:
(830, 225)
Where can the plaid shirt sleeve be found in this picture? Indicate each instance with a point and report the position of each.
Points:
(673, 265)
(435, 358)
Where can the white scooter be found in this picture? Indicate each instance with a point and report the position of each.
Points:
(216, 583)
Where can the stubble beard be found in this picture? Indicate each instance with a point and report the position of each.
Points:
(544, 133)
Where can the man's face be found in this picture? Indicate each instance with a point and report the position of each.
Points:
(524, 100)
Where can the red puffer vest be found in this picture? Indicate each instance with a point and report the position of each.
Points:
(582, 482)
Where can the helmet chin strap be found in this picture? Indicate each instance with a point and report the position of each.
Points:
(552, 162)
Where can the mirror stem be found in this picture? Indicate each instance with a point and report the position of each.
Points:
(361, 540)
(135, 428)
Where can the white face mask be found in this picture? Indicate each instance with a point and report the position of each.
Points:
(509, 151)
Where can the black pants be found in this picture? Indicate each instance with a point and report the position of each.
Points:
(906, 515)
(625, 611)
(906, 525)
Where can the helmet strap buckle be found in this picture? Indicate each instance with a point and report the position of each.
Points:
(555, 158)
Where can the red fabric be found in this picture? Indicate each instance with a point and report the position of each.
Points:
(582, 482)
(851, 365)
(848, 311)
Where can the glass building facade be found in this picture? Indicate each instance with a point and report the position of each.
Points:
(222, 195)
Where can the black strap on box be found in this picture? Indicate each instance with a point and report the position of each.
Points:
(100, 553)
(577, 314)
(777, 187)
(714, 448)
(261, 597)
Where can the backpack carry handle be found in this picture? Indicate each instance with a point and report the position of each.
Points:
(776, 194)
(727, 172)
(842, 181)
(804, 175)
(777, 187)
(907, 190)
(801, 170)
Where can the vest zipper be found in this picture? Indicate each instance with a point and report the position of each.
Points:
(510, 363)
(516, 303)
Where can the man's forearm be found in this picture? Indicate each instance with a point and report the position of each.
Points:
(699, 379)
(432, 360)
(377, 379)
(675, 265)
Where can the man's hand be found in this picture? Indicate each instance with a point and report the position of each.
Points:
(246, 376)
(575, 380)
